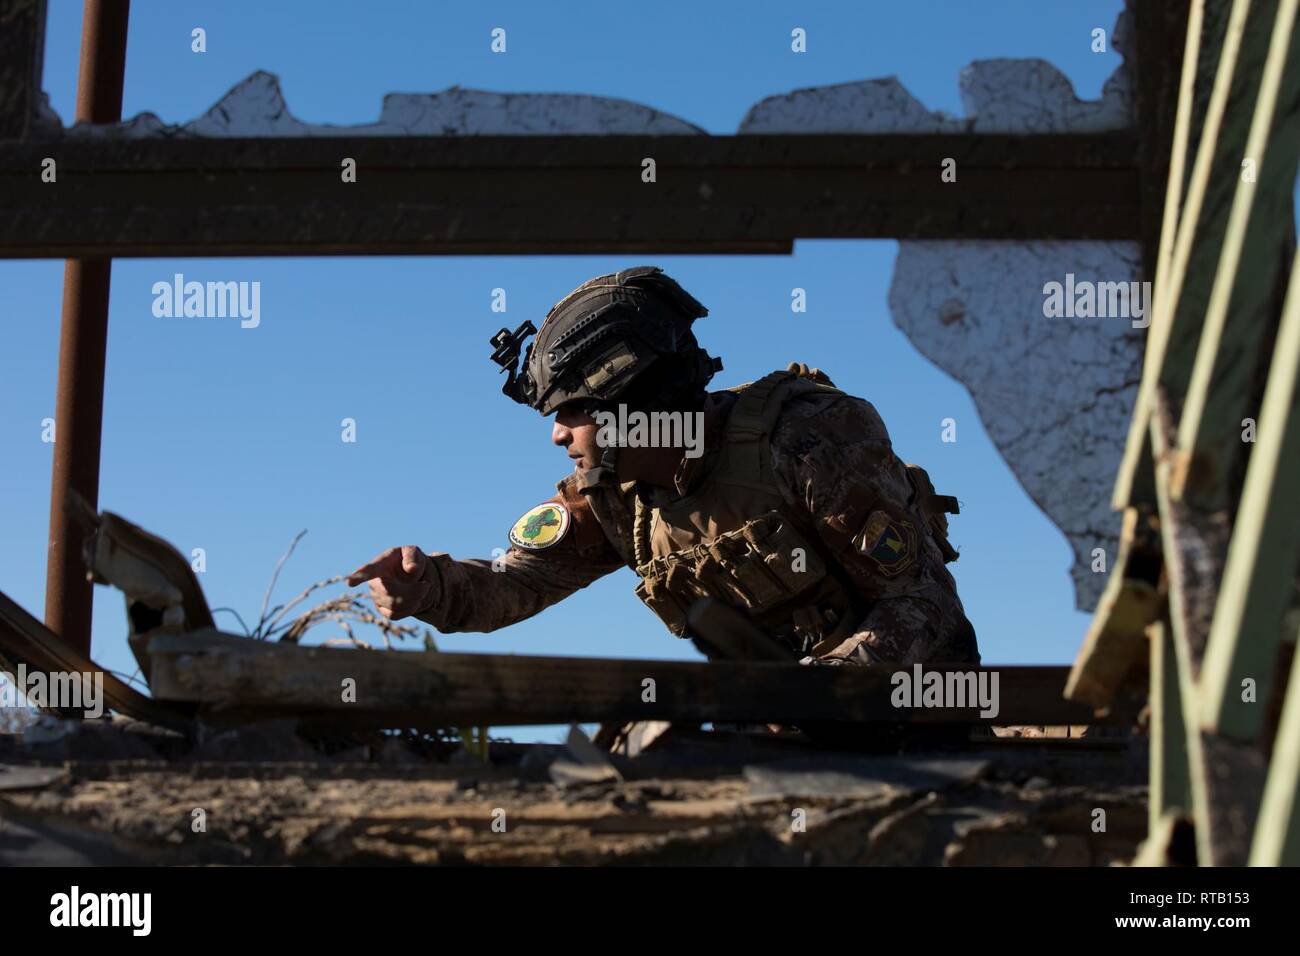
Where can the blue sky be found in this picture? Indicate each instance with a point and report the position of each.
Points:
(228, 439)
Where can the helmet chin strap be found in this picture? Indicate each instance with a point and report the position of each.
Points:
(608, 453)
(609, 459)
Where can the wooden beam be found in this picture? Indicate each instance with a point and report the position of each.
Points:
(1249, 282)
(1227, 776)
(1171, 788)
(1183, 291)
(242, 678)
(504, 195)
(1193, 560)
(1258, 578)
(25, 640)
(1277, 830)
(1194, 545)
(1117, 638)
(22, 54)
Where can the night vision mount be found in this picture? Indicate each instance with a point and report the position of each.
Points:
(507, 346)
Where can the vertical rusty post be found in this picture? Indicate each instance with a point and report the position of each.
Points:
(79, 409)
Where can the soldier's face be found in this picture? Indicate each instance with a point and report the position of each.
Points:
(575, 431)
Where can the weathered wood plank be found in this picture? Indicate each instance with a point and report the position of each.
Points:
(1249, 282)
(1195, 547)
(1193, 550)
(1116, 637)
(231, 674)
(1171, 788)
(1259, 575)
(1180, 299)
(1277, 828)
(24, 639)
(556, 194)
(1231, 776)
(1227, 776)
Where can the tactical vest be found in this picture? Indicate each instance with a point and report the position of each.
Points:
(733, 537)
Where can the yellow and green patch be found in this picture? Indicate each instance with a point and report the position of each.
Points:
(541, 527)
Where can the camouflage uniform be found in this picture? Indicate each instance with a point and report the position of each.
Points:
(799, 514)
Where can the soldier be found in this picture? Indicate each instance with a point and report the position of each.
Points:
(797, 522)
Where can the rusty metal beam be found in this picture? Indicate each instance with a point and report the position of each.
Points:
(79, 403)
(508, 195)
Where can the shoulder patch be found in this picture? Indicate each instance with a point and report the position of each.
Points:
(889, 542)
(541, 527)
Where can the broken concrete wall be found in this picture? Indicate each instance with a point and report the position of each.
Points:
(1055, 394)
(256, 107)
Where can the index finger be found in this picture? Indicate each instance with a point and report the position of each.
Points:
(374, 568)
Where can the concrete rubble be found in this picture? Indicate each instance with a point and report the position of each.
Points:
(115, 791)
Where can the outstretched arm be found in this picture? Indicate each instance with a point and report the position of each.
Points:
(483, 595)
(473, 596)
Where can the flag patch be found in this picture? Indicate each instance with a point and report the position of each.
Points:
(890, 542)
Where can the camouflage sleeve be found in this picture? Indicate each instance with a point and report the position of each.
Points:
(483, 595)
(834, 461)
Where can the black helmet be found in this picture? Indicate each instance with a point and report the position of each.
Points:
(603, 335)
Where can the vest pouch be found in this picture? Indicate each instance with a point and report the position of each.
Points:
(713, 572)
(761, 558)
(730, 569)
(653, 591)
(759, 566)
(786, 556)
